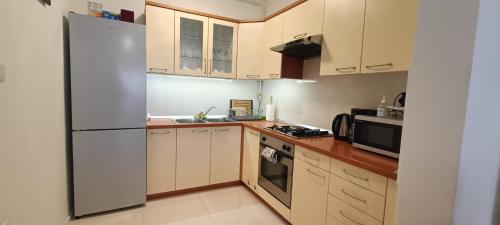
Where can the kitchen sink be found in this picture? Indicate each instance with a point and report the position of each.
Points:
(220, 120)
(189, 121)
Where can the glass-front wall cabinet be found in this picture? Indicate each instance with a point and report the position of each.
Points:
(222, 49)
(191, 44)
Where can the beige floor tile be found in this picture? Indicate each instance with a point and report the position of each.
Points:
(127, 217)
(173, 199)
(180, 211)
(228, 199)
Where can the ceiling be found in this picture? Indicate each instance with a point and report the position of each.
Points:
(255, 2)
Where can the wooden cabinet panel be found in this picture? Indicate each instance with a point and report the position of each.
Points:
(250, 173)
(193, 157)
(222, 48)
(273, 35)
(342, 37)
(303, 20)
(332, 221)
(313, 158)
(225, 154)
(309, 194)
(361, 177)
(390, 207)
(348, 214)
(191, 35)
(161, 158)
(250, 50)
(388, 35)
(358, 197)
(160, 39)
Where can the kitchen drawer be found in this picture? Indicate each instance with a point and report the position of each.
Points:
(364, 178)
(358, 197)
(332, 221)
(347, 214)
(313, 158)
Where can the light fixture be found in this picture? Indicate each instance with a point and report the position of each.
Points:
(190, 77)
(306, 81)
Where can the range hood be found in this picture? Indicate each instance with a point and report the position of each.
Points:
(308, 47)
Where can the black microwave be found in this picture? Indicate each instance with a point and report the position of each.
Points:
(377, 134)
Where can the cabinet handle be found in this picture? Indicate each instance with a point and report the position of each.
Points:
(299, 36)
(343, 214)
(346, 69)
(221, 130)
(354, 197)
(254, 134)
(313, 173)
(201, 131)
(252, 76)
(309, 157)
(210, 66)
(374, 67)
(274, 75)
(356, 176)
(158, 70)
(205, 62)
(166, 132)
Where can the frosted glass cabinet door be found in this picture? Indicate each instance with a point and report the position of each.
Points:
(222, 49)
(191, 32)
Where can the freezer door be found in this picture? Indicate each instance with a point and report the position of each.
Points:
(108, 73)
(109, 170)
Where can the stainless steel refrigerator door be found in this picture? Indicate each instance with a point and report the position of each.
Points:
(109, 170)
(108, 73)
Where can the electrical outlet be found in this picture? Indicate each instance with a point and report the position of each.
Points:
(2, 78)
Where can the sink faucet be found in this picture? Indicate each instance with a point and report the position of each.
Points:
(206, 113)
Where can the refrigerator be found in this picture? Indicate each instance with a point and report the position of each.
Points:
(108, 107)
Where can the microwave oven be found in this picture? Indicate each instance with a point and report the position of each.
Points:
(378, 134)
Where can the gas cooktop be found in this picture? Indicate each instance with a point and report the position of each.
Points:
(299, 131)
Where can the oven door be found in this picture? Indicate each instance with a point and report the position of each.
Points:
(277, 178)
(382, 138)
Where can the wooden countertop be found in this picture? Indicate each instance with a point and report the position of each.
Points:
(336, 149)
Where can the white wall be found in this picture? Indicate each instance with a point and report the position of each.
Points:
(228, 8)
(317, 103)
(176, 95)
(33, 172)
(138, 6)
(438, 86)
(480, 156)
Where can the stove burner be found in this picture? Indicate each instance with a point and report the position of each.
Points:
(298, 131)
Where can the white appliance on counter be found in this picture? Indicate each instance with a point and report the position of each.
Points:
(108, 104)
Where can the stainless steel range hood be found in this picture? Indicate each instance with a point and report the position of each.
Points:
(308, 47)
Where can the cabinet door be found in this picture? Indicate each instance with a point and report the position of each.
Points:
(250, 50)
(309, 194)
(273, 35)
(191, 33)
(388, 35)
(161, 160)
(222, 48)
(193, 157)
(390, 207)
(160, 39)
(304, 20)
(250, 173)
(225, 154)
(342, 37)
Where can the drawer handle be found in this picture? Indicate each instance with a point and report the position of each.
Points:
(342, 213)
(221, 130)
(346, 69)
(313, 173)
(252, 76)
(203, 131)
(166, 132)
(354, 197)
(356, 176)
(298, 36)
(309, 157)
(374, 67)
(158, 70)
(254, 134)
(274, 75)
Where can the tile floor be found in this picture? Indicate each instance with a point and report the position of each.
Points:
(226, 206)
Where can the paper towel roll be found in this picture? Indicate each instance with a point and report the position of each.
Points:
(270, 109)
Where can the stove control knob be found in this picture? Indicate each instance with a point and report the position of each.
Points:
(264, 138)
(288, 148)
(284, 147)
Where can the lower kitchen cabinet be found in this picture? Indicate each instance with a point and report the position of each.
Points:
(390, 207)
(250, 168)
(225, 154)
(193, 157)
(309, 194)
(161, 158)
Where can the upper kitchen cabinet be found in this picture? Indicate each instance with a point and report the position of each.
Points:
(273, 35)
(304, 20)
(342, 37)
(222, 48)
(191, 35)
(160, 39)
(250, 51)
(388, 35)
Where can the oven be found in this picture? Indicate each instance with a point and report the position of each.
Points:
(276, 178)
